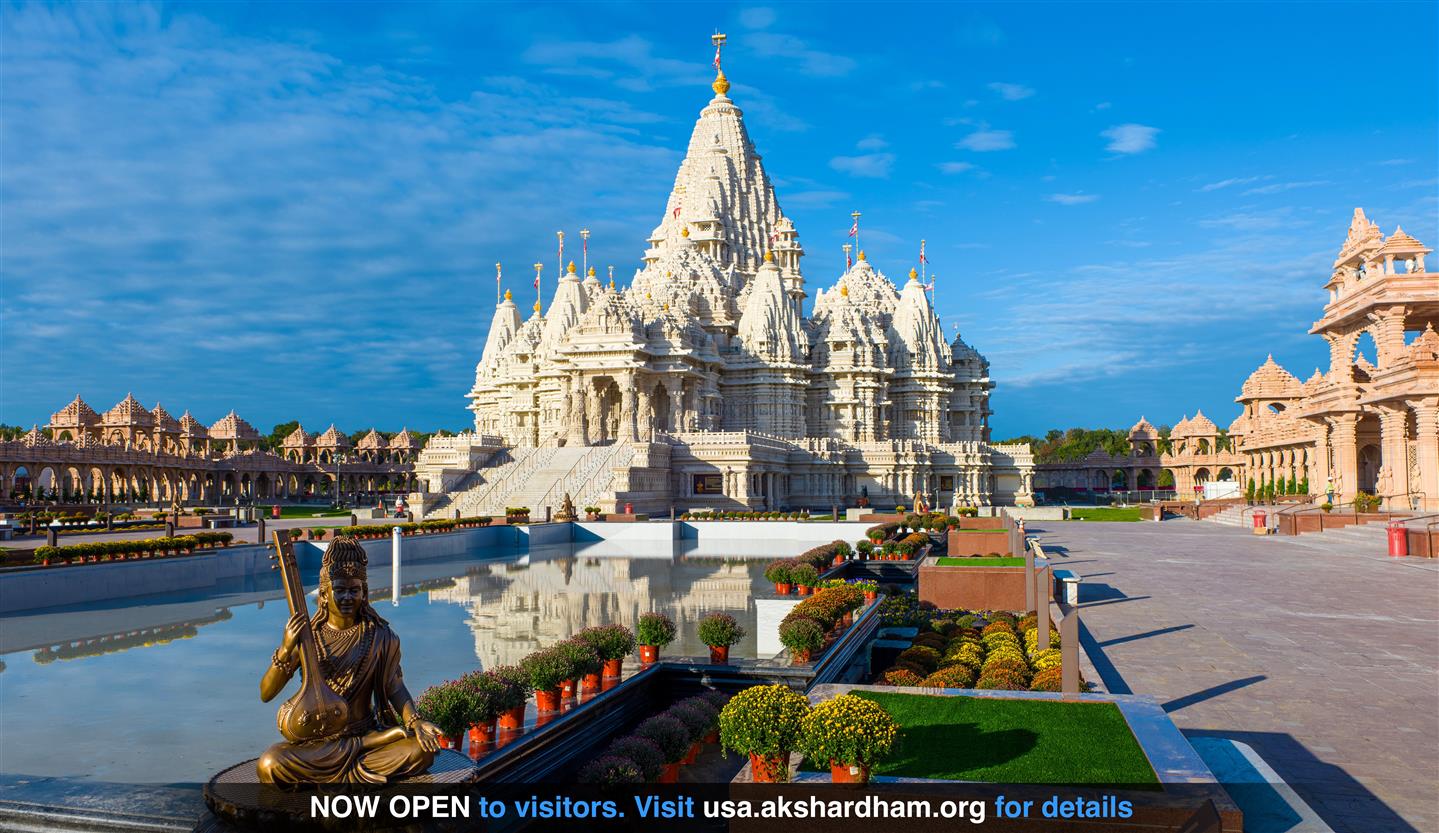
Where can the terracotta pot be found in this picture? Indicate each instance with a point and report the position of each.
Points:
(692, 754)
(447, 742)
(568, 689)
(613, 667)
(481, 734)
(719, 654)
(805, 589)
(670, 774)
(649, 654)
(513, 719)
(607, 683)
(838, 560)
(769, 769)
(870, 597)
(548, 701)
(590, 683)
(848, 773)
(782, 588)
(801, 657)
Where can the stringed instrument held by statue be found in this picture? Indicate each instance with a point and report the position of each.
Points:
(315, 711)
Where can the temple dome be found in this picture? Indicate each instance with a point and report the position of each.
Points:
(769, 329)
(1270, 380)
(915, 339)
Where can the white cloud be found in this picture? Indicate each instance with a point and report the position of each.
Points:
(1226, 183)
(1103, 105)
(955, 167)
(1395, 162)
(1278, 187)
(871, 165)
(872, 142)
(1072, 199)
(1130, 138)
(1011, 92)
(987, 140)
(757, 17)
(810, 61)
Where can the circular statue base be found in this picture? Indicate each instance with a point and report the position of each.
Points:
(239, 802)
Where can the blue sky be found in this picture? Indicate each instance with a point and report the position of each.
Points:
(295, 210)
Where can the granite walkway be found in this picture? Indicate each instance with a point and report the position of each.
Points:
(1324, 660)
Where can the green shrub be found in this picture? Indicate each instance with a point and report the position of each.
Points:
(611, 771)
(514, 685)
(1050, 679)
(669, 734)
(447, 706)
(952, 676)
(719, 630)
(801, 635)
(611, 642)
(580, 655)
(804, 575)
(779, 572)
(927, 658)
(655, 629)
(902, 677)
(485, 694)
(763, 720)
(547, 668)
(847, 730)
(642, 751)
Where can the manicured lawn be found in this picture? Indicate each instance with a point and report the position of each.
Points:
(1108, 513)
(305, 512)
(1012, 741)
(981, 562)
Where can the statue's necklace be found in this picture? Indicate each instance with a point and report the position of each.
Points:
(344, 642)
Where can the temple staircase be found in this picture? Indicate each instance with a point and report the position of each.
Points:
(537, 478)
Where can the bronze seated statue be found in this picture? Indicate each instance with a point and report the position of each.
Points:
(353, 720)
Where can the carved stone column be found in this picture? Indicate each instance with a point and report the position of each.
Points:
(1346, 456)
(1426, 418)
(1394, 457)
(1389, 336)
(1319, 465)
(644, 415)
(628, 408)
(678, 418)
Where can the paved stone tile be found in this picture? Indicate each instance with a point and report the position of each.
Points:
(1324, 659)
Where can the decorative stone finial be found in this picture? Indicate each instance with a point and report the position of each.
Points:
(844, 290)
(591, 273)
(571, 269)
(913, 273)
(537, 307)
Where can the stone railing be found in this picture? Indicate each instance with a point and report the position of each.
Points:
(533, 460)
(583, 482)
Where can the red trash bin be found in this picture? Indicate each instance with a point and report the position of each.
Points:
(275, 511)
(1398, 540)
(1261, 522)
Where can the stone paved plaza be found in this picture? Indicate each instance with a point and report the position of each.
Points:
(1325, 661)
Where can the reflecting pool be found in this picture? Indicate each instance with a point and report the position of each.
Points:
(165, 688)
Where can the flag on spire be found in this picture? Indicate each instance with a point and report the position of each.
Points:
(922, 258)
(854, 229)
(719, 39)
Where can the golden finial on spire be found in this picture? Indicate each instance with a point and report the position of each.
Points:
(537, 308)
(571, 269)
(844, 290)
(685, 232)
(913, 273)
(861, 254)
(508, 296)
(769, 257)
(591, 273)
(721, 84)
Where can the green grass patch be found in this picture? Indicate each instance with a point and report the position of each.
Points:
(981, 562)
(1012, 741)
(305, 512)
(1108, 513)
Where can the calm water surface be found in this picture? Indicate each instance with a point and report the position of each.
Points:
(165, 688)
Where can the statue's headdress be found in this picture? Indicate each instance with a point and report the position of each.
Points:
(345, 558)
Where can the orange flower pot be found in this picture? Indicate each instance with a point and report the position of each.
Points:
(782, 588)
(692, 754)
(613, 667)
(568, 689)
(801, 657)
(548, 701)
(870, 597)
(649, 654)
(719, 654)
(769, 769)
(590, 683)
(805, 589)
(481, 734)
(848, 773)
(670, 774)
(447, 742)
(513, 719)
